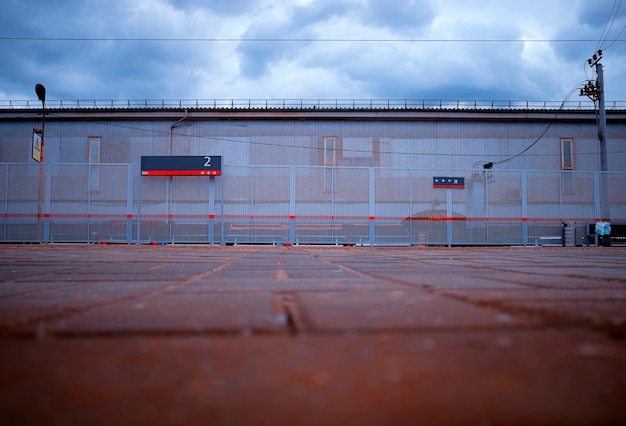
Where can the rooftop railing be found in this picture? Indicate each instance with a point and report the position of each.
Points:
(322, 104)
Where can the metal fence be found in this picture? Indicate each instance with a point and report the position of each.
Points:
(54, 203)
(337, 104)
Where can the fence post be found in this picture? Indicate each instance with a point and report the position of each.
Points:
(449, 215)
(292, 204)
(211, 212)
(139, 210)
(46, 208)
(524, 196)
(129, 204)
(372, 205)
(6, 201)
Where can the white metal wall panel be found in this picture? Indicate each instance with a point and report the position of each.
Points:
(69, 202)
(392, 208)
(24, 202)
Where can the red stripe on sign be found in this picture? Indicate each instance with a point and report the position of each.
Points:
(181, 173)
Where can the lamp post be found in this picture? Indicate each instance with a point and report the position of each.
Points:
(41, 94)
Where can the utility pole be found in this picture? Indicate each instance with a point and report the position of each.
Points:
(595, 92)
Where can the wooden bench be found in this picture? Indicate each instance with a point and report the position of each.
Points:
(278, 233)
(543, 239)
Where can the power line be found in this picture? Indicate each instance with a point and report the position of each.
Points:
(616, 38)
(489, 165)
(294, 40)
(608, 25)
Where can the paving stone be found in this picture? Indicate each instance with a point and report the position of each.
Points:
(69, 298)
(232, 313)
(196, 335)
(514, 378)
(399, 310)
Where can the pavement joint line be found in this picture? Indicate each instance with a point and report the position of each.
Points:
(287, 306)
(73, 311)
(198, 277)
(561, 287)
(548, 317)
(531, 273)
(30, 277)
(362, 274)
(46, 290)
(162, 265)
(296, 331)
(294, 322)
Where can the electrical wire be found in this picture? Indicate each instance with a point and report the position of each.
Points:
(617, 38)
(608, 24)
(569, 95)
(291, 40)
(603, 38)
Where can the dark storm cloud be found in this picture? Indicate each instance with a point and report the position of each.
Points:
(306, 22)
(399, 15)
(219, 7)
(258, 56)
(190, 49)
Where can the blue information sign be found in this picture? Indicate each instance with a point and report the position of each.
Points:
(182, 165)
(448, 182)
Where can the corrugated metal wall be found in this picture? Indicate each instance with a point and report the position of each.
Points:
(400, 145)
(279, 184)
(61, 202)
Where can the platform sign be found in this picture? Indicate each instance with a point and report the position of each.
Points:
(37, 142)
(182, 165)
(448, 182)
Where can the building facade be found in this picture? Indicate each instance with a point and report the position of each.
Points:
(316, 173)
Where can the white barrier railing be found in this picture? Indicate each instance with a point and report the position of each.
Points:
(324, 104)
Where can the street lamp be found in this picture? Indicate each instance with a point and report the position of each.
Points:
(41, 94)
(40, 90)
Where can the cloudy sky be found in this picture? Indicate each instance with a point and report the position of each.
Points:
(309, 49)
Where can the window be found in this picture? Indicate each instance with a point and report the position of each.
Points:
(567, 155)
(330, 156)
(330, 159)
(94, 161)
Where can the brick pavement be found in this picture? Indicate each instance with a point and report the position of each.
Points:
(311, 335)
